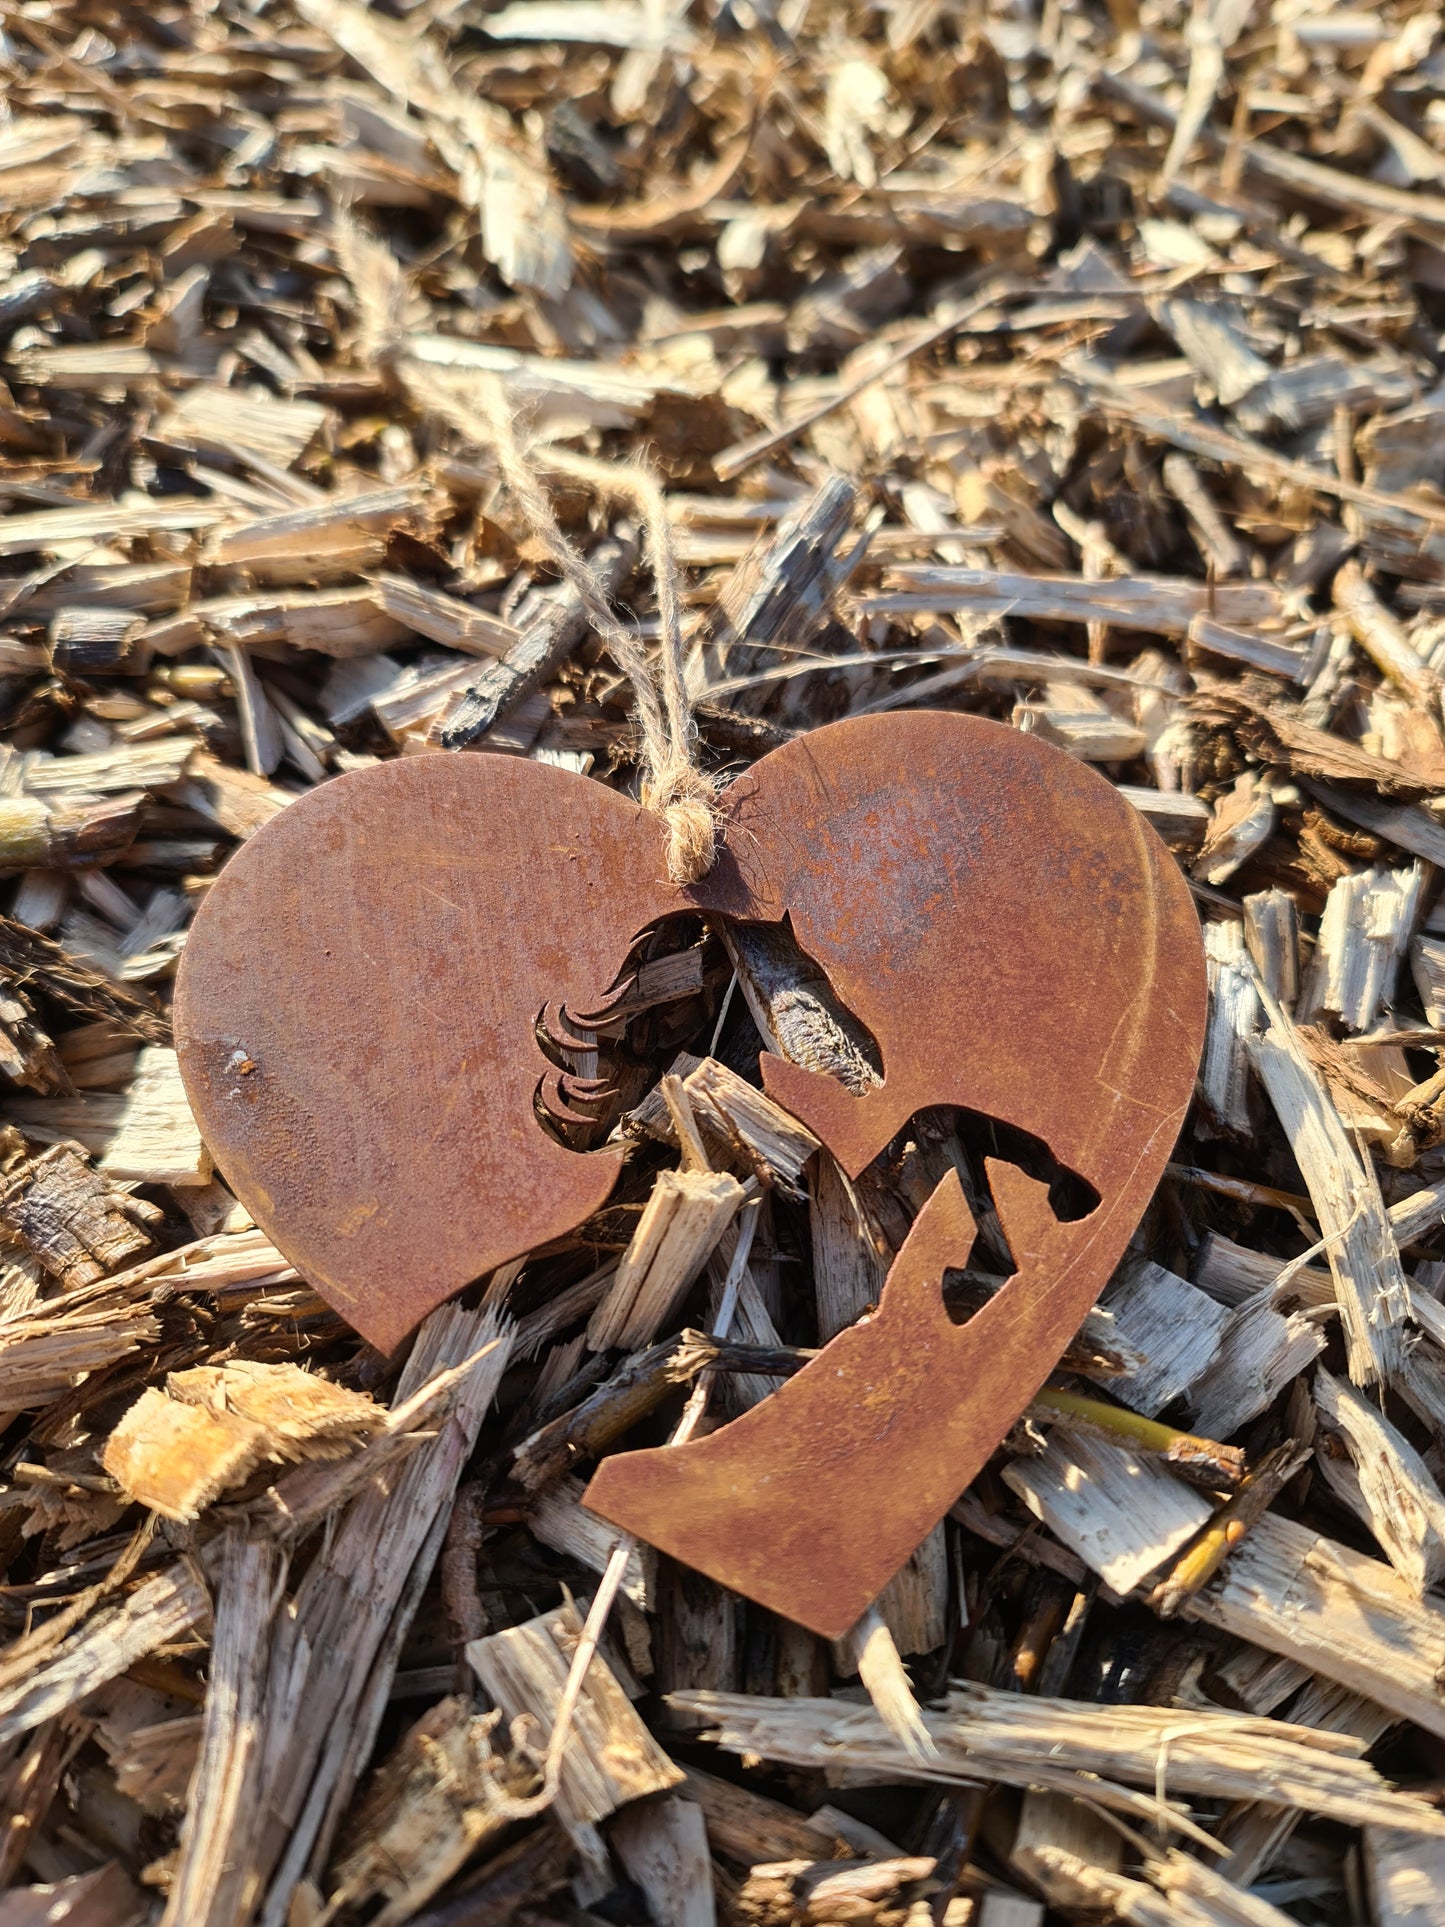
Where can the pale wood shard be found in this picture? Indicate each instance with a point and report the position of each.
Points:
(732, 1113)
(211, 421)
(177, 1449)
(52, 531)
(239, 801)
(37, 1686)
(1364, 934)
(1399, 1499)
(914, 1603)
(1406, 1878)
(157, 1140)
(1122, 1513)
(561, 1521)
(1079, 721)
(1383, 638)
(1427, 966)
(610, 1757)
(1243, 822)
(343, 1631)
(261, 734)
(1179, 818)
(1255, 1833)
(103, 772)
(1296, 1593)
(338, 534)
(1363, 1254)
(1418, 1214)
(1209, 638)
(45, 1354)
(151, 1741)
(1271, 934)
(663, 1847)
(212, 1884)
(1261, 1350)
(686, 1214)
(339, 623)
(814, 1891)
(1159, 606)
(1233, 1014)
(848, 1272)
(871, 1651)
(500, 172)
(1049, 1824)
(1180, 1891)
(442, 618)
(1172, 1329)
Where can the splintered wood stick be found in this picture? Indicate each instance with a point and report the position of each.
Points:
(638, 1387)
(622, 1553)
(1363, 1254)
(1383, 639)
(792, 1004)
(1244, 1189)
(1391, 1488)
(553, 627)
(881, 1670)
(213, 1863)
(65, 833)
(1221, 547)
(1062, 1745)
(684, 1217)
(1162, 605)
(694, 1153)
(1338, 1612)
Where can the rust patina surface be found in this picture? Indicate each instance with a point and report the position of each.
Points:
(357, 1016)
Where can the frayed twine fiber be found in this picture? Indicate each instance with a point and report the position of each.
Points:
(673, 786)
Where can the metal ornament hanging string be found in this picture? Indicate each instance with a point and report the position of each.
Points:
(673, 785)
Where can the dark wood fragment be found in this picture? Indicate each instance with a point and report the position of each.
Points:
(38, 963)
(78, 1226)
(555, 627)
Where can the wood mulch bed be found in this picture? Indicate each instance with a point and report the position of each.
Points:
(1076, 366)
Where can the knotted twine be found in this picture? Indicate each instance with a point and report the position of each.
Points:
(673, 786)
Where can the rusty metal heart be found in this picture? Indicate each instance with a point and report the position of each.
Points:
(356, 1014)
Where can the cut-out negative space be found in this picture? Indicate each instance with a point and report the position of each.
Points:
(357, 1012)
